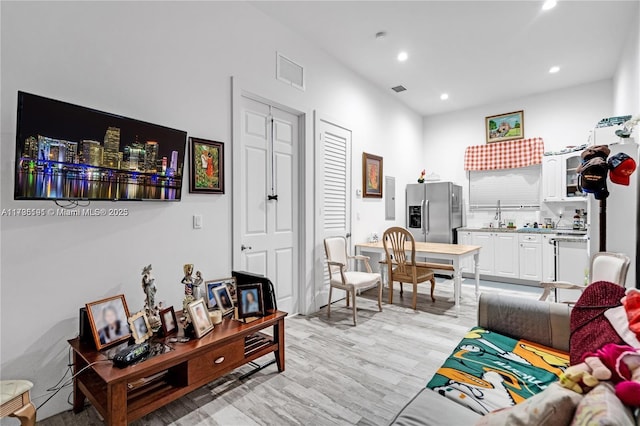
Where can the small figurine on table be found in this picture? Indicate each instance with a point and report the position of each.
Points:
(149, 288)
(196, 289)
(188, 280)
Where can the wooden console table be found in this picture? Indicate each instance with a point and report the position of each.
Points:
(122, 395)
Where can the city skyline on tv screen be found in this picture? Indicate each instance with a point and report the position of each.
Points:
(65, 151)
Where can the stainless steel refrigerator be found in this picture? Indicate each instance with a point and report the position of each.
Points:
(434, 211)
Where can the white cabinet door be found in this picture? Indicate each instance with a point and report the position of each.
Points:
(548, 258)
(487, 242)
(505, 255)
(465, 238)
(552, 178)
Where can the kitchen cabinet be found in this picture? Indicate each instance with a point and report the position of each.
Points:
(560, 177)
(487, 256)
(551, 180)
(548, 258)
(505, 255)
(530, 257)
(464, 237)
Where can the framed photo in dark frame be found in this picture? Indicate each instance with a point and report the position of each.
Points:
(108, 319)
(169, 321)
(206, 166)
(250, 301)
(371, 176)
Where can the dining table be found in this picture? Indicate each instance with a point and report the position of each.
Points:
(454, 253)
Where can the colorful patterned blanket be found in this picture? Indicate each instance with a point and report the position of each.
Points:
(488, 371)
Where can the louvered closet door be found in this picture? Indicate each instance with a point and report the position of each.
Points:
(333, 190)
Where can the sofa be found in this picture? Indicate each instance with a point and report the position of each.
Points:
(536, 322)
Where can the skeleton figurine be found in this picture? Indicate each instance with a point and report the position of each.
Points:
(188, 280)
(197, 290)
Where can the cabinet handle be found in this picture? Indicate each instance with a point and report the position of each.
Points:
(219, 360)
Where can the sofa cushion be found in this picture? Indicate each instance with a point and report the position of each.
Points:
(488, 371)
(602, 407)
(552, 407)
(429, 408)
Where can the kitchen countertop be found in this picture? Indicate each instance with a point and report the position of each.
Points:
(564, 232)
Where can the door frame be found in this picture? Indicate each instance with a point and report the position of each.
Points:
(239, 89)
(318, 241)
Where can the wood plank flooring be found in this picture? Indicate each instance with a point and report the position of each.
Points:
(336, 374)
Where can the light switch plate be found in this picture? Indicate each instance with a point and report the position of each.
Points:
(197, 221)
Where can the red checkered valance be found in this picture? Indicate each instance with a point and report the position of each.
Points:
(504, 155)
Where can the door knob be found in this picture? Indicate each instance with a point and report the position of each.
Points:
(243, 247)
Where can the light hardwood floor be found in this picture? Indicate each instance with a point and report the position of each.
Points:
(336, 374)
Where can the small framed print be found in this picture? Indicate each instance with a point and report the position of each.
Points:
(169, 322)
(108, 320)
(371, 176)
(223, 299)
(250, 302)
(200, 318)
(140, 328)
(206, 166)
(211, 285)
(505, 127)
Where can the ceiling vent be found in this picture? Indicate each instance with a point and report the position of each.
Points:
(399, 89)
(289, 72)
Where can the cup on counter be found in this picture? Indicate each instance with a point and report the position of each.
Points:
(216, 317)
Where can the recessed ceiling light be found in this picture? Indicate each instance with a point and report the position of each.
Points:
(380, 35)
(554, 69)
(403, 56)
(549, 4)
(444, 96)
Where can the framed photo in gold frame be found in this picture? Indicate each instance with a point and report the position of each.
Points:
(108, 320)
(505, 127)
(140, 328)
(371, 176)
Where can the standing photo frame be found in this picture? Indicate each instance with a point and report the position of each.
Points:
(140, 328)
(371, 176)
(108, 319)
(200, 318)
(504, 127)
(212, 284)
(169, 321)
(250, 301)
(206, 166)
(223, 299)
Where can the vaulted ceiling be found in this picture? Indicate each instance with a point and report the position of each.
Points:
(477, 52)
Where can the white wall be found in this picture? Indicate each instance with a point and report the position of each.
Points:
(168, 63)
(626, 81)
(561, 118)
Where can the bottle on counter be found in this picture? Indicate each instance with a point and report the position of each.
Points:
(577, 220)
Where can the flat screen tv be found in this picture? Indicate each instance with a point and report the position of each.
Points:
(69, 152)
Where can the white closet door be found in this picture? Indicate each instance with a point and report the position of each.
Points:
(333, 197)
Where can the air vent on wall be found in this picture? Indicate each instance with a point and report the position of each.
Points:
(289, 72)
(399, 89)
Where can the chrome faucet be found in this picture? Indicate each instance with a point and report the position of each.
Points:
(498, 215)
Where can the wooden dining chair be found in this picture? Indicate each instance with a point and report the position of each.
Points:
(402, 268)
(351, 281)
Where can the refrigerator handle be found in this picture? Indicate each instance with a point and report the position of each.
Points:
(425, 219)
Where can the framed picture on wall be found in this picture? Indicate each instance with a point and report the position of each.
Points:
(505, 127)
(371, 176)
(109, 321)
(206, 166)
